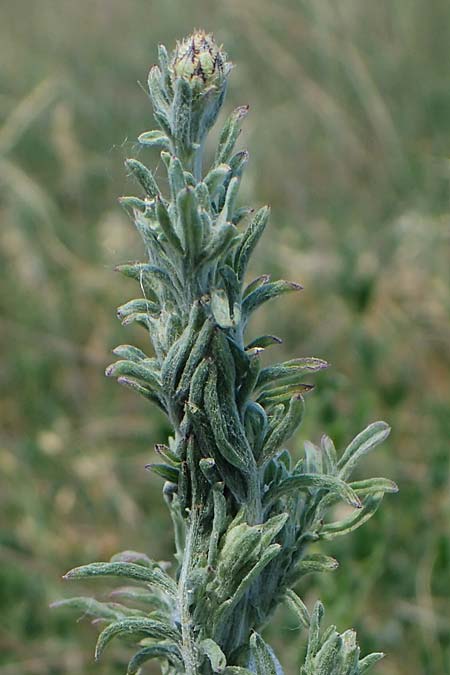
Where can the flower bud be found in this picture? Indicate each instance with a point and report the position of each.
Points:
(199, 60)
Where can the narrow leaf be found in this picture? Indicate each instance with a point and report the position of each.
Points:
(307, 481)
(368, 661)
(155, 576)
(154, 139)
(250, 239)
(159, 651)
(144, 176)
(368, 439)
(135, 629)
(229, 135)
(298, 606)
(355, 520)
(215, 655)
(289, 370)
(267, 292)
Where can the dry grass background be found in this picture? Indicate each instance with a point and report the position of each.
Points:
(349, 138)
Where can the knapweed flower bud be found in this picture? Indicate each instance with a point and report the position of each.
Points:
(199, 60)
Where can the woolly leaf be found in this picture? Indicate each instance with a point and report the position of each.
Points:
(214, 654)
(135, 629)
(368, 661)
(265, 293)
(155, 576)
(167, 472)
(317, 482)
(99, 610)
(158, 651)
(159, 99)
(263, 657)
(182, 115)
(191, 223)
(216, 178)
(167, 226)
(355, 520)
(264, 341)
(298, 606)
(289, 370)
(229, 135)
(374, 485)
(316, 562)
(367, 440)
(144, 176)
(282, 431)
(250, 239)
(129, 353)
(154, 139)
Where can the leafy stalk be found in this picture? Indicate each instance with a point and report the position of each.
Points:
(244, 517)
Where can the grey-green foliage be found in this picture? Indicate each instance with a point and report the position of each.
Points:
(244, 515)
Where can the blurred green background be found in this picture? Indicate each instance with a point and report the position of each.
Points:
(349, 137)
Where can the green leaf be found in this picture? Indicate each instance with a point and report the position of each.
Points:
(177, 178)
(101, 610)
(142, 271)
(140, 305)
(182, 115)
(198, 352)
(266, 292)
(167, 472)
(368, 661)
(279, 434)
(216, 178)
(350, 653)
(155, 576)
(277, 395)
(327, 659)
(144, 176)
(329, 454)
(265, 558)
(167, 227)
(190, 220)
(264, 341)
(227, 211)
(315, 481)
(250, 239)
(355, 520)
(367, 440)
(374, 485)
(316, 562)
(129, 353)
(159, 99)
(220, 308)
(136, 629)
(314, 632)
(229, 135)
(159, 651)
(154, 139)
(138, 370)
(215, 655)
(289, 370)
(298, 606)
(219, 243)
(145, 391)
(265, 661)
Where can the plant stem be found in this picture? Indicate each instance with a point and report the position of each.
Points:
(185, 594)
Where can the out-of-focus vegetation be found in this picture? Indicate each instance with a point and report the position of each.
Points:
(350, 101)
